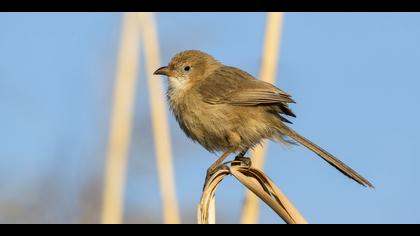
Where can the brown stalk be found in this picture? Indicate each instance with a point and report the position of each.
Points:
(121, 122)
(250, 213)
(160, 121)
(257, 183)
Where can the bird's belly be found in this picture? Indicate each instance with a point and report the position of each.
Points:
(218, 128)
(206, 128)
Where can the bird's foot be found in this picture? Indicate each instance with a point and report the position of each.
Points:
(242, 161)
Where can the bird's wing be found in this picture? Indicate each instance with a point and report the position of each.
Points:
(229, 85)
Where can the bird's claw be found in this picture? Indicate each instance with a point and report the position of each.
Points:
(242, 161)
(210, 172)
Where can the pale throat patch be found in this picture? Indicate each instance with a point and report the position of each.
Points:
(176, 83)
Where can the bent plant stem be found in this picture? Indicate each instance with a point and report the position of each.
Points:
(206, 212)
(257, 182)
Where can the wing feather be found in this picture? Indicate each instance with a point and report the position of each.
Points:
(229, 85)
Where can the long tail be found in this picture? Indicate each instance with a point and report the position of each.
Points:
(343, 168)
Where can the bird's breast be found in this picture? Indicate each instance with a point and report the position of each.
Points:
(200, 121)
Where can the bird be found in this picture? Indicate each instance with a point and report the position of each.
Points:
(226, 110)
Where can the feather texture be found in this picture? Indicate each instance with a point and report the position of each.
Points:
(230, 85)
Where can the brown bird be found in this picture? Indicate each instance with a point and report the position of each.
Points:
(227, 110)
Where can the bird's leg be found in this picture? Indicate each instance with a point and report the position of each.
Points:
(213, 168)
(241, 159)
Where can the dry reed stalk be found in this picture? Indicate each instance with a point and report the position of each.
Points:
(159, 120)
(121, 122)
(257, 182)
(206, 211)
(274, 24)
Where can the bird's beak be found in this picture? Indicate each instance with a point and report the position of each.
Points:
(164, 70)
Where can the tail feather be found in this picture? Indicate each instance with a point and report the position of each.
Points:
(339, 165)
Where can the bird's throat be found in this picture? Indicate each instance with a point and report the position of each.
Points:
(177, 83)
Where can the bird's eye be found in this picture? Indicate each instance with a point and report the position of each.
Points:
(187, 68)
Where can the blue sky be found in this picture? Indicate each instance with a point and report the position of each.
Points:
(354, 76)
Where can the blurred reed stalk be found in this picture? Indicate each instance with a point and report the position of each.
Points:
(121, 121)
(160, 121)
(272, 41)
(137, 26)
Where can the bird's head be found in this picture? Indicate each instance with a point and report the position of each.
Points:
(188, 67)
